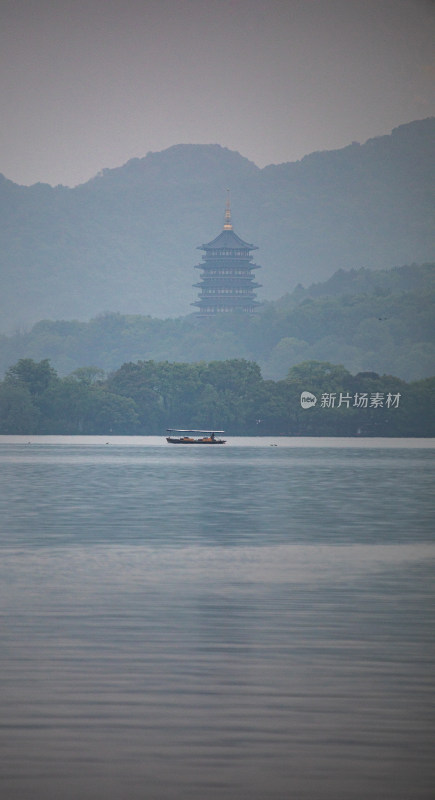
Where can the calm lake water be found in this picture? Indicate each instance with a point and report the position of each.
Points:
(246, 622)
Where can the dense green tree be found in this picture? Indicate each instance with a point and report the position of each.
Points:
(18, 414)
(87, 375)
(110, 413)
(147, 397)
(137, 381)
(37, 377)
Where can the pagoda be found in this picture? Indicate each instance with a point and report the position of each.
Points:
(226, 282)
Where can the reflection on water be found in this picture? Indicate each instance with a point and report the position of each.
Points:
(179, 496)
(249, 623)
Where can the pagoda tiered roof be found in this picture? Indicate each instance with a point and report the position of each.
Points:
(229, 240)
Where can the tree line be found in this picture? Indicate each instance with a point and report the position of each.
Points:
(366, 320)
(146, 397)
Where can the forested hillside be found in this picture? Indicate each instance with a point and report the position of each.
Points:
(125, 242)
(147, 397)
(380, 321)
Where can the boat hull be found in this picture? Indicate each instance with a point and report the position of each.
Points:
(175, 440)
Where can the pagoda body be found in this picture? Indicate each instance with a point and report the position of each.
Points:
(226, 282)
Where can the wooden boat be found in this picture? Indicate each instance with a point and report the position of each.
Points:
(177, 436)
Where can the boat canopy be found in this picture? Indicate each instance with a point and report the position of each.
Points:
(192, 430)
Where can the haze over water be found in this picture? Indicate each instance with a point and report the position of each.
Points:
(247, 621)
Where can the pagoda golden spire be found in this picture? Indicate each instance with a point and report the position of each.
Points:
(228, 224)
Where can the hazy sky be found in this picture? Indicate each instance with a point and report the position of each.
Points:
(89, 84)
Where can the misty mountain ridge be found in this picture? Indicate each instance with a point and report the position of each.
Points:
(126, 240)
